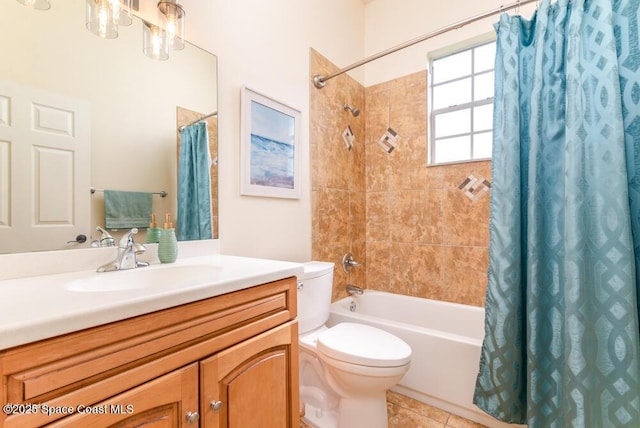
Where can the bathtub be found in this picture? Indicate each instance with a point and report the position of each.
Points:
(445, 339)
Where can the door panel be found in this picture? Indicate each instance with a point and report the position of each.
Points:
(163, 402)
(252, 383)
(44, 169)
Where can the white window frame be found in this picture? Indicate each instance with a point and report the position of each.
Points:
(431, 155)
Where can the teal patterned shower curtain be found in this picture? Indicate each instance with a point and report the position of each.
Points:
(194, 184)
(561, 345)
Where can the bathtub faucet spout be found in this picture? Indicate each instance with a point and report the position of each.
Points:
(354, 290)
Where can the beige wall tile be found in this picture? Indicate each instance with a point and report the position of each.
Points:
(409, 164)
(377, 120)
(338, 175)
(333, 216)
(408, 106)
(357, 218)
(416, 233)
(416, 216)
(377, 168)
(417, 270)
(466, 221)
(465, 276)
(377, 216)
(378, 269)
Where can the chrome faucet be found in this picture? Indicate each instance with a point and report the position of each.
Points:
(354, 290)
(106, 240)
(126, 258)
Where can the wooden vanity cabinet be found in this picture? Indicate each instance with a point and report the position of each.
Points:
(164, 402)
(228, 361)
(247, 385)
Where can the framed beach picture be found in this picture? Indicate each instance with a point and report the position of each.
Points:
(269, 147)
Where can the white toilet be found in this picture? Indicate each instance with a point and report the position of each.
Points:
(345, 370)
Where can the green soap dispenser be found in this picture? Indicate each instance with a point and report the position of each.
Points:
(168, 244)
(153, 232)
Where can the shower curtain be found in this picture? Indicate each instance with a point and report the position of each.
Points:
(194, 184)
(561, 345)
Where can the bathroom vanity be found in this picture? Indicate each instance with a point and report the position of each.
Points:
(226, 356)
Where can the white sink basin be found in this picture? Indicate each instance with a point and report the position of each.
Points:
(146, 277)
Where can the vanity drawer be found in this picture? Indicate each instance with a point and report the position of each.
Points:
(94, 364)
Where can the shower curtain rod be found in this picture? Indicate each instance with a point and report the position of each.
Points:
(319, 81)
(196, 121)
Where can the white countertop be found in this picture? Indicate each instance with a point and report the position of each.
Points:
(40, 307)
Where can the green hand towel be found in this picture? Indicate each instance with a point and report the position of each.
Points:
(126, 209)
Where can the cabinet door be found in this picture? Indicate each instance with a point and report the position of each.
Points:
(161, 403)
(253, 384)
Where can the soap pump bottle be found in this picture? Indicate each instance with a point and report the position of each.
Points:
(153, 232)
(168, 244)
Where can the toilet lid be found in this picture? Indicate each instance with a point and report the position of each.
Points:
(364, 345)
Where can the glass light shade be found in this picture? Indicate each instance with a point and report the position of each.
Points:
(154, 42)
(121, 10)
(171, 17)
(36, 4)
(100, 19)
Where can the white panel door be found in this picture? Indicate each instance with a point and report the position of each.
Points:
(44, 169)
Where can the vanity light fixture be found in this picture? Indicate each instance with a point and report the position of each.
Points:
(154, 42)
(104, 16)
(171, 17)
(36, 4)
(121, 10)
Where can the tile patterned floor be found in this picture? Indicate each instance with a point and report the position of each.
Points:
(404, 412)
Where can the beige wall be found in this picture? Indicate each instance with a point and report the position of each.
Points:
(421, 234)
(265, 45)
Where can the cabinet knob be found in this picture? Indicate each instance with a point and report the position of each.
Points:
(216, 406)
(192, 417)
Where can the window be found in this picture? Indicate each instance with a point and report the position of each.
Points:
(461, 118)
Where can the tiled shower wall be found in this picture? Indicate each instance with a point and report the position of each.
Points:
(338, 182)
(417, 232)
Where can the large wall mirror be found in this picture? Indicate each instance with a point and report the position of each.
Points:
(121, 128)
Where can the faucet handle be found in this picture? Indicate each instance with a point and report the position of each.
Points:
(127, 251)
(137, 247)
(127, 239)
(106, 240)
(348, 262)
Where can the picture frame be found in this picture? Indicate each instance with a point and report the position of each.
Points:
(269, 148)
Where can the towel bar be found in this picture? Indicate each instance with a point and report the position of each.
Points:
(161, 193)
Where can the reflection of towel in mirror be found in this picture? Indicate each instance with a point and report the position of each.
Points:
(126, 209)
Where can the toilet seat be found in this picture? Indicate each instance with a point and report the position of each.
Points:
(309, 340)
(365, 345)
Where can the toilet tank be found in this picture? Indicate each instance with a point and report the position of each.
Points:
(314, 295)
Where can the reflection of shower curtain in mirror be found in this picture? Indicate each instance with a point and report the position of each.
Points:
(194, 184)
